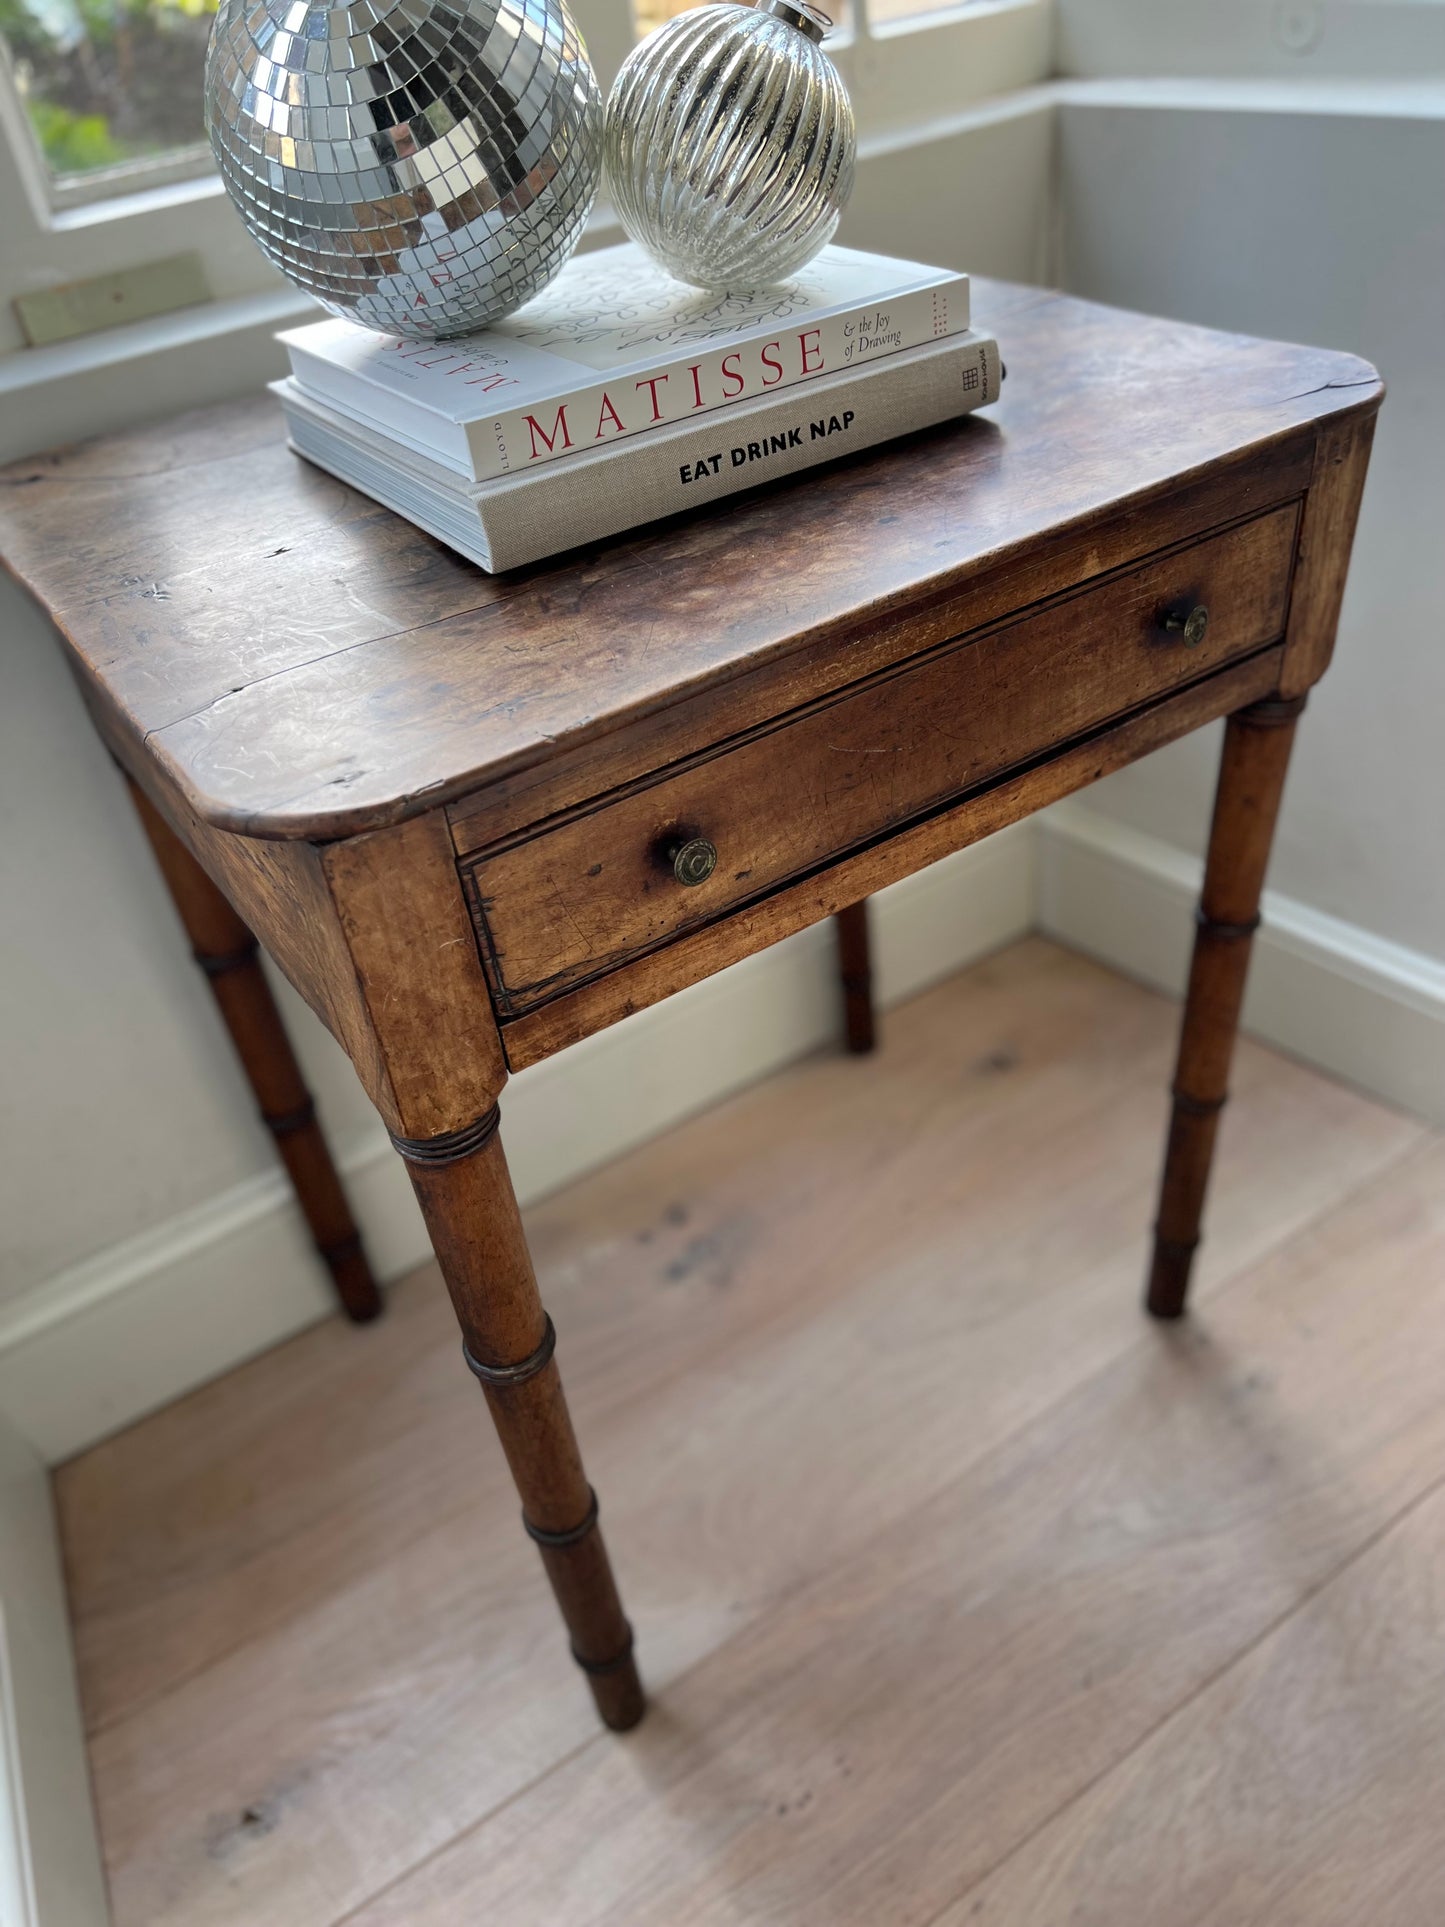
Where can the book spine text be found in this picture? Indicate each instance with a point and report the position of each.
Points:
(572, 503)
(514, 440)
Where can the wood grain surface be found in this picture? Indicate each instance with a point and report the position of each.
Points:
(1272, 476)
(925, 1530)
(582, 895)
(885, 1737)
(304, 664)
(1342, 454)
(1302, 1789)
(1252, 769)
(413, 960)
(699, 953)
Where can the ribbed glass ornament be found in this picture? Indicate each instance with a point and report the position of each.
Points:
(420, 166)
(730, 143)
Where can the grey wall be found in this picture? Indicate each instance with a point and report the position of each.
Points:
(1324, 225)
(122, 1104)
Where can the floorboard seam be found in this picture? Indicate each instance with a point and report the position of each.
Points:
(1129, 1342)
(443, 1846)
(783, 1599)
(898, 1153)
(1206, 1685)
(1267, 1252)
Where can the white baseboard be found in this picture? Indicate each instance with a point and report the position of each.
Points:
(50, 1870)
(1368, 1011)
(141, 1323)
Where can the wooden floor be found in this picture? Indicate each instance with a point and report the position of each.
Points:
(965, 1595)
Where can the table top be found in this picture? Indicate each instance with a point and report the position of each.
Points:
(306, 664)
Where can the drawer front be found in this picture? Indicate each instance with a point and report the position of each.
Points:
(594, 888)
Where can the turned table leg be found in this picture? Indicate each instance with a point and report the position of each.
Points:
(226, 951)
(466, 1196)
(855, 967)
(1251, 778)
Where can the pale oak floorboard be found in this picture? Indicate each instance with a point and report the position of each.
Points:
(1302, 1788)
(869, 1749)
(303, 1595)
(271, 1480)
(431, 1651)
(273, 1486)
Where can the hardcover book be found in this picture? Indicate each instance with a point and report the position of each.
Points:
(614, 347)
(511, 520)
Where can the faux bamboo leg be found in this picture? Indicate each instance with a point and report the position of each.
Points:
(226, 951)
(1251, 778)
(466, 1197)
(855, 965)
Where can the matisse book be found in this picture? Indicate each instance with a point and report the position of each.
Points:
(614, 348)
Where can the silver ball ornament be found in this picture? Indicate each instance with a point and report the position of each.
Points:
(730, 143)
(422, 167)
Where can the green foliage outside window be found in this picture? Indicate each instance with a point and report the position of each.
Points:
(106, 81)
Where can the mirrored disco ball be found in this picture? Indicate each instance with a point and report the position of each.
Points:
(730, 143)
(420, 166)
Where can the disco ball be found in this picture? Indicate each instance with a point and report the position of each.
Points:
(420, 166)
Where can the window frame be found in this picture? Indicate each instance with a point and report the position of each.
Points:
(906, 77)
(47, 245)
(902, 74)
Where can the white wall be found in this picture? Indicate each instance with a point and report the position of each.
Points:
(1318, 217)
(50, 1869)
(1287, 40)
(123, 1103)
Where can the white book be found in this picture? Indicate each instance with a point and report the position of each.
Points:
(506, 522)
(614, 347)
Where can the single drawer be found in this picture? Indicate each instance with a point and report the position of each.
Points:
(582, 894)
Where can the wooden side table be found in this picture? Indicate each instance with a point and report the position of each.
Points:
(227, 953)
(475, 819)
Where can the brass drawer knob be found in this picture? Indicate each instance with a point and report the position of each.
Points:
(1188, 624)
(692, 862)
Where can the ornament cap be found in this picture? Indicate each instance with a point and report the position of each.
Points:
(809, 20)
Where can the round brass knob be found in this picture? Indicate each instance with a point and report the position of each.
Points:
(693, 862)
(1189, 625)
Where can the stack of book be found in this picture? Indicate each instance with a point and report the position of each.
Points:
(618, 396)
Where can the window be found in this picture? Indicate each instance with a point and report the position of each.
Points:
(905, 62)
(102, 164)
(110, 88)
(880, 12)
(648, 14)
(651, 13)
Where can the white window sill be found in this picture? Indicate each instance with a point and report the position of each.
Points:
(1306, 94)
(64, 393)
(108, 381)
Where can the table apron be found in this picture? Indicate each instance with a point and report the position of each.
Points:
(583, 894)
